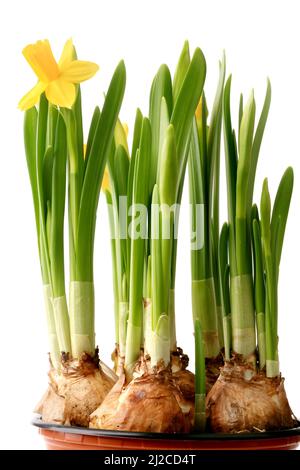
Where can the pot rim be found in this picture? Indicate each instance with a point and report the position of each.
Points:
(37, 421)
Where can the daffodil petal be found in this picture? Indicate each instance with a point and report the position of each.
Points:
(67, 54)
(41, 59)
(105, 181)
(61, 93)
(125, 127)
(198, 112)
(79, 71)
(120, 135)
(84, 150)
(32, 97)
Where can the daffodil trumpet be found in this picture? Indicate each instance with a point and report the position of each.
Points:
(78, 381)
(249, 394)
(155, 180)
(204, 169)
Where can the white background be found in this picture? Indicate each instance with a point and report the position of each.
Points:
(261, 39)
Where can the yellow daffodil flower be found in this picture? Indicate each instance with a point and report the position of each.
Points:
(125, 127)
(56, 79)
(84, 150)
(198, 112)
(105, 181)
(121, 133)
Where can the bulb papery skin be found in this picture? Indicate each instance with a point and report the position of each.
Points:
(184, 379)
(212, 366)
(150, 402)
(76, 391)
(244, 400)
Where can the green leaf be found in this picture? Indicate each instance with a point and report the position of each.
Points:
(241, 111)
(77, 109)
(121, 179)
(200, 264)
(94, 172)
(40, 153)
(140, 197)
(265, 211)
(91, 135)
(168, 174)
(224, 289)
(231, 173)
(30, 131)
(164, 123)
(182, 119)
(245, 157)
(161, 88)
(230, 154)
(186, 104)
(280, 213)
(41, 150)
(135, 145)
(242, 232)
(269, 258)
(214, 132)
(259, 285)
(51, 125)
(142, 164)
(202, 133)
(121, 167)
(56, 247)
(257, 143)
(197, 175)
(213, 154)
(136, 133)
(47, 174)
(223, 264)
(158, 287)
(254, 216)
(181, 70)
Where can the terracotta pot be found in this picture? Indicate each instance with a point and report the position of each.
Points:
(74, 438)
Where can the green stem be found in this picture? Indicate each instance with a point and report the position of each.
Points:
(75, 182)
(227, 329)
(260, 300)
(52, 336)
(147, 326)
(220, 325)
(242, 314)
(172, 321)
(272, 361)
(261, 338)
(160, 344)
(140, 198)
(82, 318)
(123, 318)
(200, 379)
(167, 224)
(204, 310)
(60, 310)
(110, 210)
